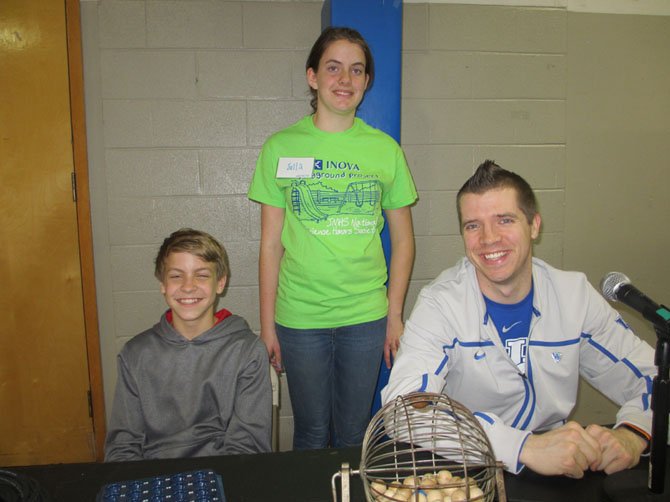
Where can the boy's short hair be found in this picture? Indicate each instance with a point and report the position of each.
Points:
(490, 176)
(195, 242)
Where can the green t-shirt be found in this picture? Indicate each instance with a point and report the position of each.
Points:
(333, 271)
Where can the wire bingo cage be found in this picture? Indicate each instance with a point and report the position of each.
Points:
(425, 447)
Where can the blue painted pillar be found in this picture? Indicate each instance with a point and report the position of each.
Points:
(380, 23)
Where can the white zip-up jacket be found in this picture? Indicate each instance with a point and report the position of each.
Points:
(451, 345)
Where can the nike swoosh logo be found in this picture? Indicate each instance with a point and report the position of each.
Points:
(507, 328)
(479, 355)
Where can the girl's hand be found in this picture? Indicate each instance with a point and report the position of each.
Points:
(394, 329)
(274, 352)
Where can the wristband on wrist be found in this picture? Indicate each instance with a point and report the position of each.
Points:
(639, 433)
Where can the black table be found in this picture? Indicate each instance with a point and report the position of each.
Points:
(305, 476)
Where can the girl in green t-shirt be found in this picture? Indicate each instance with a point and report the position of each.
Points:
(326, 313)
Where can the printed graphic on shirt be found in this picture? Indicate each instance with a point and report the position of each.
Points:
(316, 201)
(513, 324)
(347, 206)
(505, 329)
(516, 349)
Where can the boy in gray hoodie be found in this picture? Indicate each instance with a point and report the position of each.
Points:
(198, 382)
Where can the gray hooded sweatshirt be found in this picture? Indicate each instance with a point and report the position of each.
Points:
(188, 398)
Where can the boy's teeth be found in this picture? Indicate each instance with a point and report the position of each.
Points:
(494, 256)
(188, 300)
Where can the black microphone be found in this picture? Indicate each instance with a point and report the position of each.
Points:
(615, 286)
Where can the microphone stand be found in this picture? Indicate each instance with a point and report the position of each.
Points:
(660, 405)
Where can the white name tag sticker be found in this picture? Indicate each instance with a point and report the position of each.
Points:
(295, 167)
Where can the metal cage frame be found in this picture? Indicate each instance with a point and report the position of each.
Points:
(413, 439)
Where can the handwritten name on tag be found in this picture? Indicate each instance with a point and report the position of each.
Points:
(295, 167)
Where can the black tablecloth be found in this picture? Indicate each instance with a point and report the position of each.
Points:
(305, 476)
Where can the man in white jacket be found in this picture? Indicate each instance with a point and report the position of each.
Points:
(508, 336)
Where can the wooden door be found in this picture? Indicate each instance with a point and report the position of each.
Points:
(45, 412)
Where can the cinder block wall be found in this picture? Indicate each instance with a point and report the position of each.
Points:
(481, 82)
(180, 95)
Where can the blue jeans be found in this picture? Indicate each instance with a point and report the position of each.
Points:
(332, 376)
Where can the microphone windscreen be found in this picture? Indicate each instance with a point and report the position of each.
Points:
(611, 283)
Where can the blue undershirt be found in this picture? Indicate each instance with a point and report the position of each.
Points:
(513, 324)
